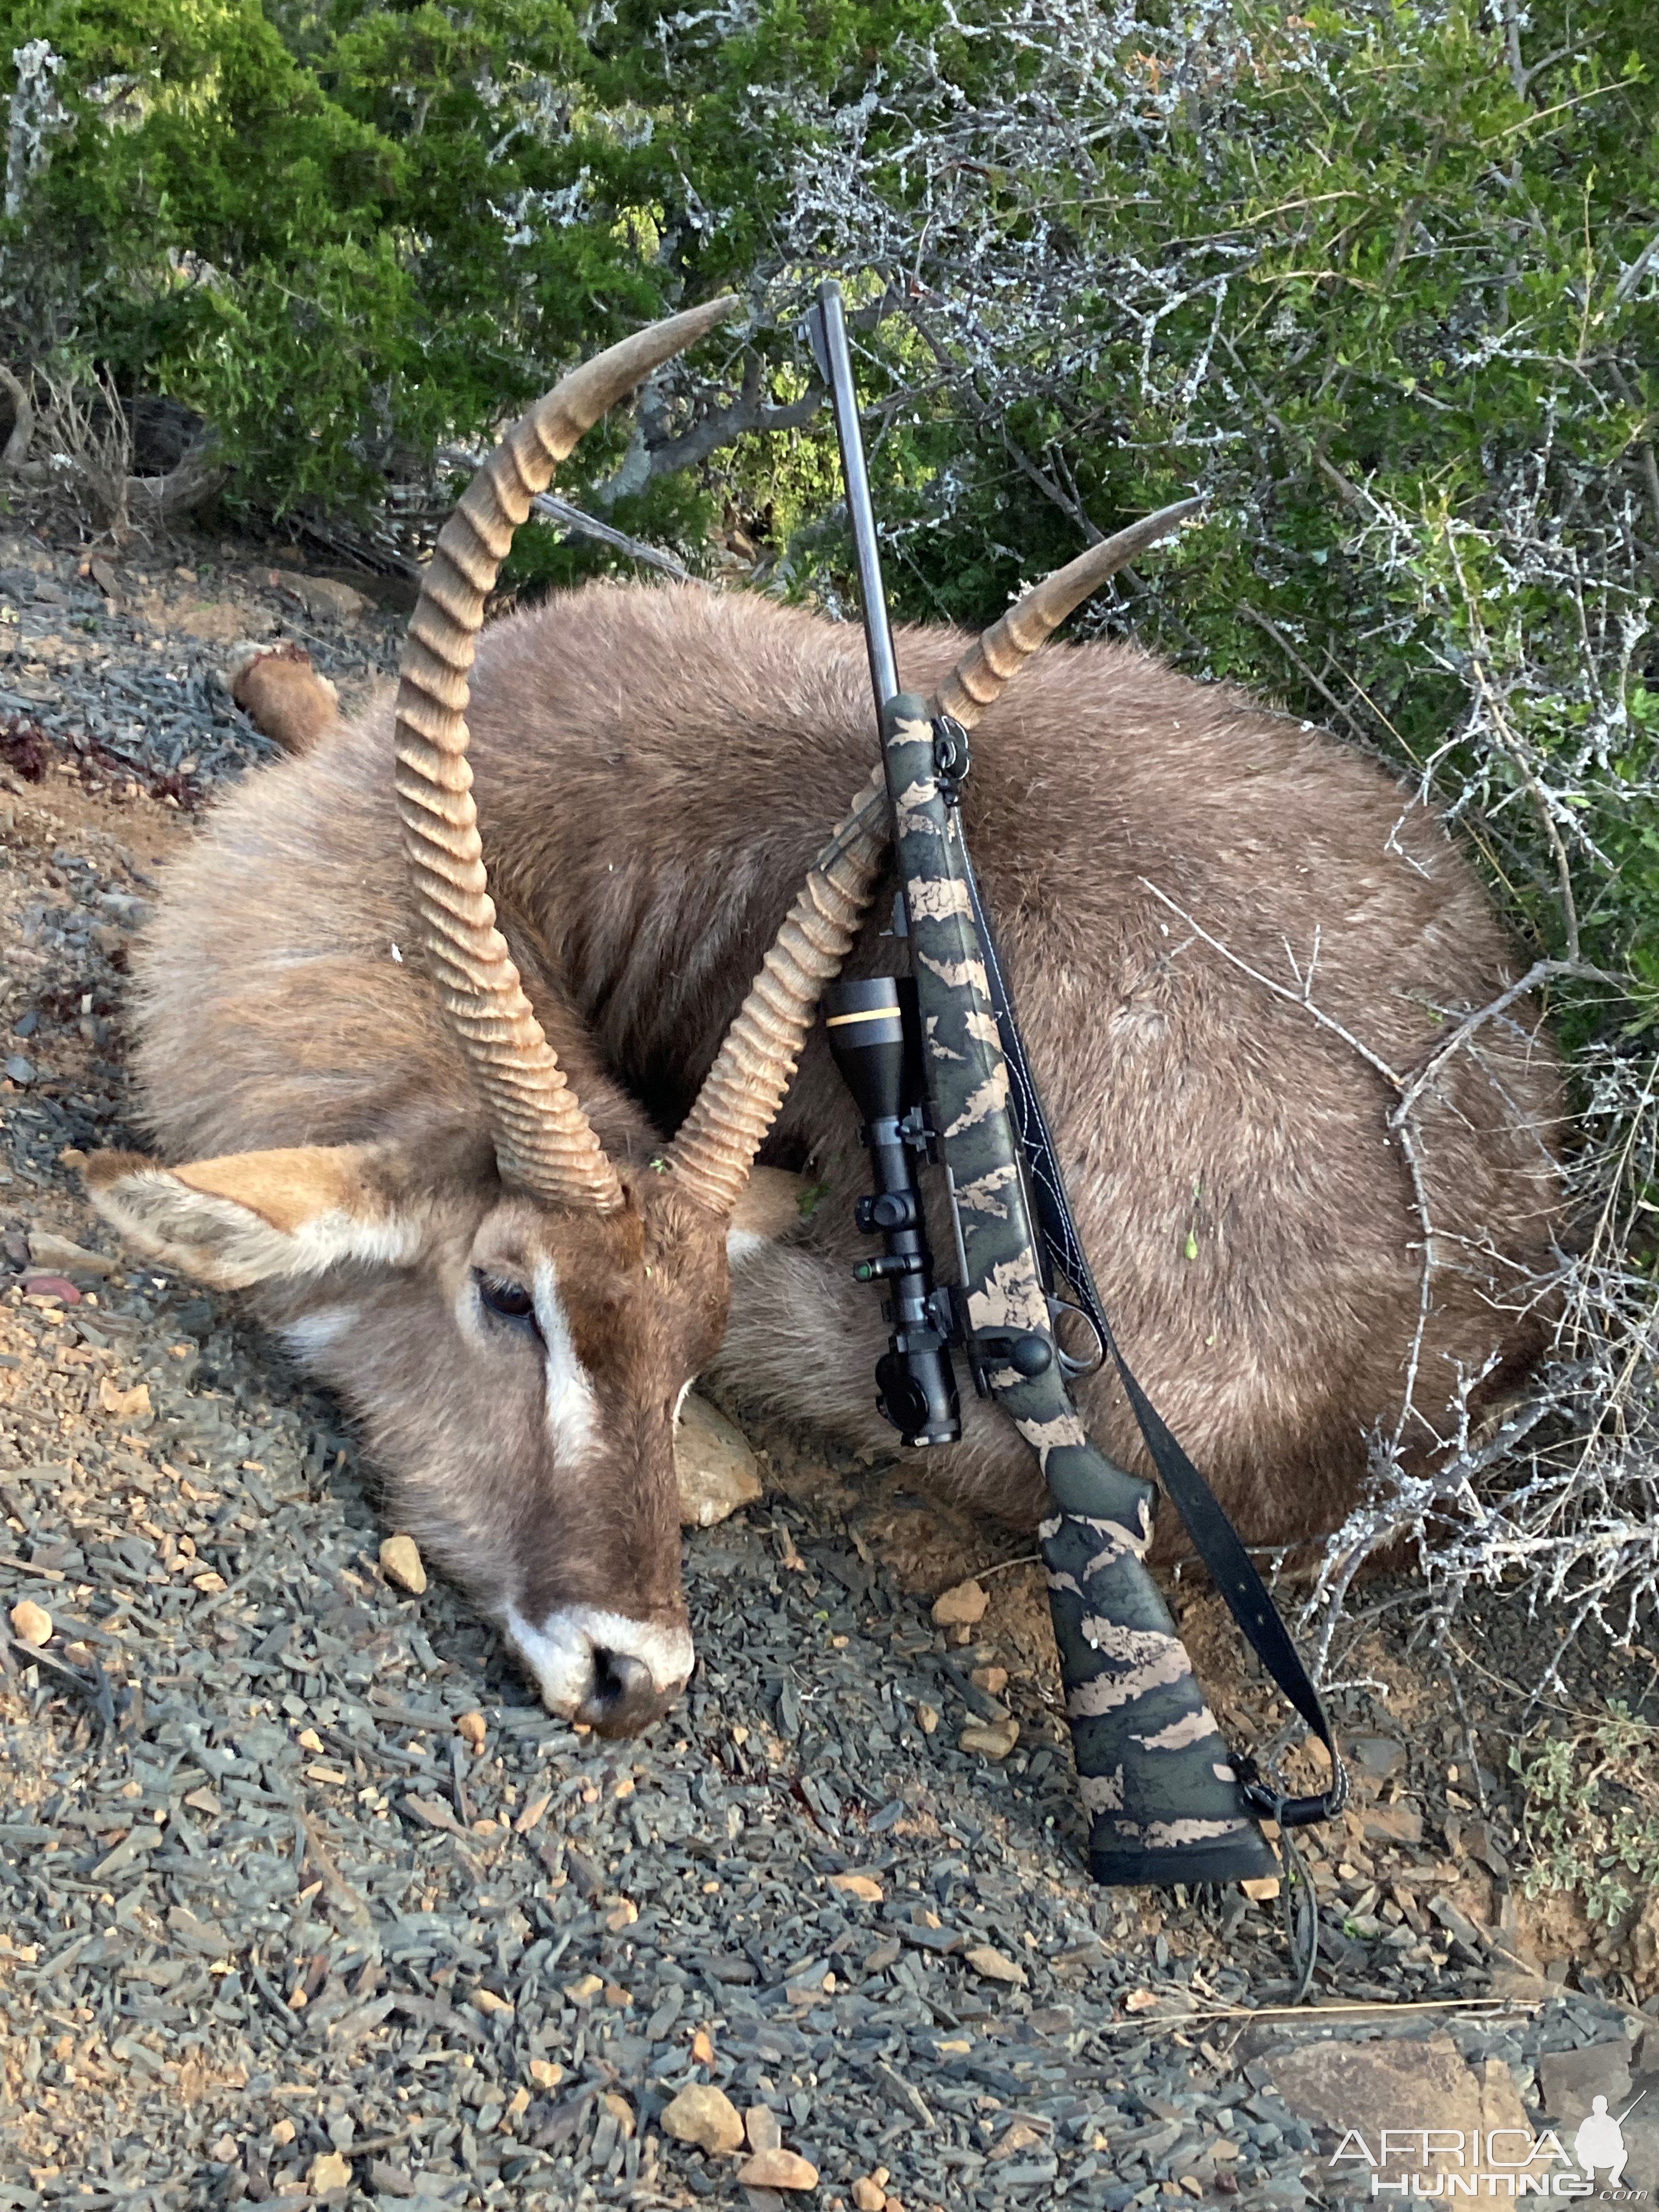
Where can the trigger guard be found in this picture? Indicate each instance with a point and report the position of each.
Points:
(1071, 1368)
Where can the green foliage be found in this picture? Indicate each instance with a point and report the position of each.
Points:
(1370, 274)
(1591, 1816)
(1369, 286)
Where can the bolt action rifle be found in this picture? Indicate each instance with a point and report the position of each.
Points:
(939, 1070)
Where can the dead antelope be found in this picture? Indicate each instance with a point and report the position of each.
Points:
(423, 1112)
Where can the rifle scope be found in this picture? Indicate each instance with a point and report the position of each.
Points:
(875, 1036)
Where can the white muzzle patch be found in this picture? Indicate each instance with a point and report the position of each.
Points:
(562, 1653)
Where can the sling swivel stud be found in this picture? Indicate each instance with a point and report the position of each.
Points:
(952, 757)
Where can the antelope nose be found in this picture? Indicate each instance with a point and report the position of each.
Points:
(623, 1699)
(613, 1673)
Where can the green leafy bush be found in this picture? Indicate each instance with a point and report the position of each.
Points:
(1591, 1811)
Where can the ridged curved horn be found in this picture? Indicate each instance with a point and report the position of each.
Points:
(980, 677)
(718, 1141)
(544, 1142)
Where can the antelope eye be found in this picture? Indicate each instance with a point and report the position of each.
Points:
(510, 1300)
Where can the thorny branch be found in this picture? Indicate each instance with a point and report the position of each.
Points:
(567, 516)
(1400, 1124)
(1419, 1506)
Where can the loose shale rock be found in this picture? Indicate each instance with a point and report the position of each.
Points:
(49, 1251)
(995, 1966)
(863, 1886)
(995, 1738)
(961, 1607)
(30, 1623)
(322, 597)
(400, 1563)
(705, 2116)
(718, 1470)
(778, 2169)
(761, 2125)
(1405, 2086)
(1569, 2081)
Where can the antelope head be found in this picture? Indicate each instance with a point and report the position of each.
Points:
(515, 1314)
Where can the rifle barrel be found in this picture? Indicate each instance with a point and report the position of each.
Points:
(836, 363)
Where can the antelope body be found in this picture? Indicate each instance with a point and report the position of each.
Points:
(489, 1238)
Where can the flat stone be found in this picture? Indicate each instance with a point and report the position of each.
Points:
(863, 1886)
(993, 1739)
(401, 1563)
(215, 621)
(30, 1623)
(706, 2116)
(1378, 1756)
(994, 1965)
(49, 1251)
(1568, 2079)
(761, 2125)
(321, 596)
(1405, 2087)
(1456, 1923)
(1392, 1824)
(717, 1468)
(961, 1606)
(778, 2169)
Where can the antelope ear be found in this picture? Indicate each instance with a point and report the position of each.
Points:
(774, 1201)
(251, 1216)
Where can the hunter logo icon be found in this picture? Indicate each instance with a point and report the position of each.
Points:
(1599, 2141)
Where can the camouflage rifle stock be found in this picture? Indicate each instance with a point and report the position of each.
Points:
(1157, 1781)
(1165, 1801)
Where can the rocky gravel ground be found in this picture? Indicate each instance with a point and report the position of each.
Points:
(305, 1900)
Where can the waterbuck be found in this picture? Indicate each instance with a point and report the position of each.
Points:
(424, 1115)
